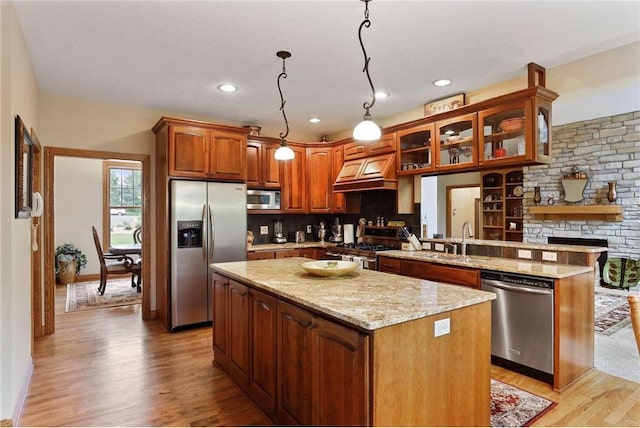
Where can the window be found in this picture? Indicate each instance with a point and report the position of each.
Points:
(123, 201)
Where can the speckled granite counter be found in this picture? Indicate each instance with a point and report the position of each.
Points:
(289, 246)
(364, 298)
(549, 270)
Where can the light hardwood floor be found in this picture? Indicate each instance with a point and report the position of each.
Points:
(107, 367)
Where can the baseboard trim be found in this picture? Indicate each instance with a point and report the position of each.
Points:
(17, 412)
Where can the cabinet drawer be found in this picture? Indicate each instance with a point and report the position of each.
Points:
(260, 255)
(283, 254)
(441, 273)
(388, 264)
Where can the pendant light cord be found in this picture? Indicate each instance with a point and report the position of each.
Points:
(284, 55)
(366, 23)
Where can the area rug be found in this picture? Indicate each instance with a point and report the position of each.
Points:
(82, 296)
(611, 313)
(513, 407)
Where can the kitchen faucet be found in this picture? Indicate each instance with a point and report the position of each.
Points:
(465, 227)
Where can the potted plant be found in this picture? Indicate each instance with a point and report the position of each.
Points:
(69, 260)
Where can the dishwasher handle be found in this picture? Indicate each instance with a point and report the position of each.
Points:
(505, 286)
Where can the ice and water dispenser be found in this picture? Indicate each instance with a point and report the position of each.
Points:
(190, 234)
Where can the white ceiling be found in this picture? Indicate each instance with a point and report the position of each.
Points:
(171, 55)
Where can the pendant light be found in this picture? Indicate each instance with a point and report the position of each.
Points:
(367, 130)
(284, 152)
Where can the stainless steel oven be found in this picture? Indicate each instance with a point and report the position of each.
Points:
(263, 199)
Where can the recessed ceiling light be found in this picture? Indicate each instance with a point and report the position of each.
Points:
(380, 95)
(314, 120)
(442, 82)
(227, 87)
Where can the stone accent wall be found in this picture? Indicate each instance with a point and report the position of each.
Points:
(606, 149)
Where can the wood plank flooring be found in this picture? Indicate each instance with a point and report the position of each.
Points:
(107, 367)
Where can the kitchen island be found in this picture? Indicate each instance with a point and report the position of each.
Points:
(367, 348)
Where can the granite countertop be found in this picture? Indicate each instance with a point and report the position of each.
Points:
(549, 270)
(527, 245)
(289, 246)
(364, 298)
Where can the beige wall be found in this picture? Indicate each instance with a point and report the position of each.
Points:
(19, 96)
(599, 85)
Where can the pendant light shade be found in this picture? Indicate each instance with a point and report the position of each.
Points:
(284, 152)
(367, 130)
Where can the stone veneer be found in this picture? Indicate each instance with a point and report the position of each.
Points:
(606, 149)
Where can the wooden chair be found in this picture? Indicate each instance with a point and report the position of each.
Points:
(112, 264)
(137, 235)
(634, 308)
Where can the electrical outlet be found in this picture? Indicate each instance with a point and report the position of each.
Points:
(264, 230)
(442, 327)
(438, 247)
(549, 256)
(524, 254)
(309, 229)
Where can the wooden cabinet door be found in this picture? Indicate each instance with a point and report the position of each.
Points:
(254, 164)
(238, 327)
(188, 152)
(319, 179)
(228, 156)
(294, 186)
(294, 329)
(340, 375)
(386, 144)
(220, 314)
(271, 167)
(262, 378)
(338, 200)
(310, 253)
(355, 150)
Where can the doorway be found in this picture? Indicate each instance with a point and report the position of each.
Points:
(462, 203)
(50, 155)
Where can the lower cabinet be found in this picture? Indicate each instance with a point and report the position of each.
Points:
(432, 271)
(299, 368)
(310, 253)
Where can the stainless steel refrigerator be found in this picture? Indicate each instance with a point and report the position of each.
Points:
(208, 225)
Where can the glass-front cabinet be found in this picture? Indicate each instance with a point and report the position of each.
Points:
(456, 143)
(542, 136)
(416, 150)
(503, 134)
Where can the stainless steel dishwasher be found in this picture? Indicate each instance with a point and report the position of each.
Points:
(521, 323)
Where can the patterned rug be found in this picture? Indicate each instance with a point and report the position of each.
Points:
(513, 407)
(611, 313)
(84, 295)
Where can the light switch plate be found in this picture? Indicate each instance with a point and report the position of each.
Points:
(309, 229)
(264, 230)
(549, 256)
(442, 327)
(524, 254)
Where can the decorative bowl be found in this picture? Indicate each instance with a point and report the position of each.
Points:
(329, 267)
(513, 124)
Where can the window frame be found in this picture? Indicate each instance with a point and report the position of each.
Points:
(107, 165)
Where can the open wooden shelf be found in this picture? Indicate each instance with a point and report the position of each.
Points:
(578, 212)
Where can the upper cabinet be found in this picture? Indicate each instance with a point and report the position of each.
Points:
(201, 150)
(263, 170)
(416, 150)
(456, 146)
(294, 182)
(319, 179)
(362, 149)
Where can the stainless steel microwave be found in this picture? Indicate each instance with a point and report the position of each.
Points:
(263, 199)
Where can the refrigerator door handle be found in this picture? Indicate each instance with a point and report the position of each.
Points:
(212, 241)
(204, 232)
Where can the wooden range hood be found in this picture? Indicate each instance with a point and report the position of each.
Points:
(370, 173)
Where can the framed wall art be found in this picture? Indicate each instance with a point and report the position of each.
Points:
(24, 170)
(444, 104)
